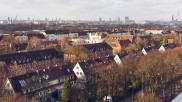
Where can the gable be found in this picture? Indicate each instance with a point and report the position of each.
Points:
(161, 49)
(144, 51)
(117, 59)
(8, 85)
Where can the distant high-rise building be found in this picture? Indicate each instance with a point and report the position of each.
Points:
(110, 19)
(8, 18)
(100, 19)
(172, 18)
(28, 18)
(127, 20)
(119, 19)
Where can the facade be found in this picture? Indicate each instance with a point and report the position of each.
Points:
(59, 35)
(99, 49)
(22, 38)
(144, 51)
(154, 31)
(119, 37)
(21, 46)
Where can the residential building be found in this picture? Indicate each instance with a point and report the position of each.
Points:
(40, 84)
(99, 49)
(21, 46)
(83, 69)
(154, 31)
(32, 60)
(166, 46)
(119, 37)
(59, 35)
(147, 49)
(22, 38)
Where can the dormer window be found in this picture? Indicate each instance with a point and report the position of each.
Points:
(22, 82)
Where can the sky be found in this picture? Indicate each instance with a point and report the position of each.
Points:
(139, 10)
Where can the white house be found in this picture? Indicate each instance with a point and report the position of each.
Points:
(81, 70)
(94, 35)
(154, 31)
(93, 41)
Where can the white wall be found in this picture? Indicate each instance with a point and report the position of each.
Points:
(77, 70)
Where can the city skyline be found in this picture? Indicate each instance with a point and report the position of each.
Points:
(139, 10)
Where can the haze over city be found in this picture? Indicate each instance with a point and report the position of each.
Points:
(91, 9)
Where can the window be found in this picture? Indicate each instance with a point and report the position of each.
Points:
(77, 67)
(71, 77)
(48, 91)
(80, 73)
(60, 80)
(77, 73)
(8, 85)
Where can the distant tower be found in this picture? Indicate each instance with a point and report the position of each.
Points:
(172, 18)
(178, 14)
(119, 19)
(8, 18)
(127, 20)
(100, 19)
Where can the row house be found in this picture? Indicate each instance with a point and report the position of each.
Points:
(147, 49)
(40, 84)
(119, 37)
(99, 49)
(59, 35)
(161, 49)
(33, 60)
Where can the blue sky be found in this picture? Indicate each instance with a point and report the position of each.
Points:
(91, 9)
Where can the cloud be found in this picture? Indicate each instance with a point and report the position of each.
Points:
(92, 9)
